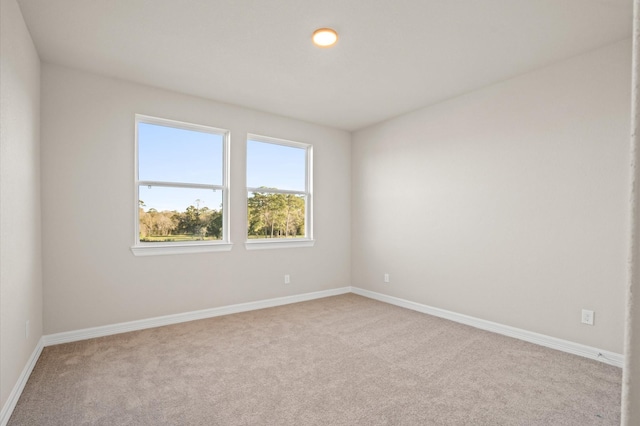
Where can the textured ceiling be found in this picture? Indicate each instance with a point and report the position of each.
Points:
(392, 56)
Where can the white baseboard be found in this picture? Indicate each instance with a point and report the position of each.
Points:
(607, 357)
(124, 327)
(602, 355)
(10, 405)
(107, 330)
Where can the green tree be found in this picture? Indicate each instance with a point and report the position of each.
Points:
(194, 222)
(274, 215)
(189, 221)
(214, 224)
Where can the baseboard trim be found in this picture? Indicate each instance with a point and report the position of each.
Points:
(107, 330)
(124, 327)
(601, 355)
(14, 396)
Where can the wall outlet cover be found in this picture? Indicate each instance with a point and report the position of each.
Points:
(587, 316)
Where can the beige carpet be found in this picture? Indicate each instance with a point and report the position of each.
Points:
(343, 360)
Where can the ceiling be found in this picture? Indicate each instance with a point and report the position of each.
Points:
(393, 56)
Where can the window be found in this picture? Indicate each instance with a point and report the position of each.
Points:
(279, 200)
(181, 187)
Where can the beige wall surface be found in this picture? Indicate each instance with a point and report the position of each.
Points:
(91, 276)
(509, 204)
(631, 372)
(20, 244)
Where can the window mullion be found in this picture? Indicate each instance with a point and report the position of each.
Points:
(179, 185)
(277, 191)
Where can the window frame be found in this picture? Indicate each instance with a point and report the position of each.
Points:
(271, 243)
(141, 248)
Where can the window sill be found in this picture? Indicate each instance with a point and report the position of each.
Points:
(277, 244)
(164, 249)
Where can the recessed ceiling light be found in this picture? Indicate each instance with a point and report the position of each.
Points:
(324, 37)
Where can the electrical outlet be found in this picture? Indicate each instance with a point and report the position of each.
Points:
(587, 316)
(287, 279)
(26, 330)
(386, 278)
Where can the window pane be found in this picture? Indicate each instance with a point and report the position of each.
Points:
(275, 166)
(275, 215)
(179, 214)
(167, 154)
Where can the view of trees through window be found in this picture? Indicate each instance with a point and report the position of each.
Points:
(182, 188)
(276, 215)
(195, 223)
(181, 183)
(277, 192)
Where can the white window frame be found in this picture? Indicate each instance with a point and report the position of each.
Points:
(271, 243)
(149, 249)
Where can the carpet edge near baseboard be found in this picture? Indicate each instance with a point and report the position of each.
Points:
(601, 355)
(14, 396)
(567, 346)
(124, 327)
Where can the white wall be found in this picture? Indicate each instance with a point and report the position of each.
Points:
(20, 246)
(91, 276)
(508, 204)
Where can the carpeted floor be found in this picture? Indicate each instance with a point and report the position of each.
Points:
(344, 360)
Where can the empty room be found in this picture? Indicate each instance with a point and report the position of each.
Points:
(261, 212)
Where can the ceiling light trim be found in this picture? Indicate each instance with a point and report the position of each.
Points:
(325, 37)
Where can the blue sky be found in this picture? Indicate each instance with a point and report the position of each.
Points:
(275, 166)
(177, 155)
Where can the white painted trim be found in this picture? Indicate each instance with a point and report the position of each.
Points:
(154, 249)
(107, 330)
(124, 327)
(607, 357)
(14, 396)
(277, 243)
(308, 191)
(265, 190)
(139, 248)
